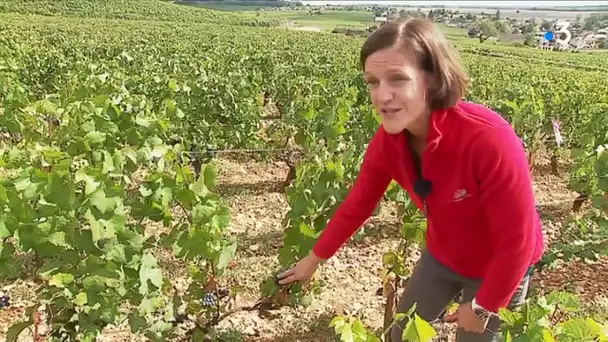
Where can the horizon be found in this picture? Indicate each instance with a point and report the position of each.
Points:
(481, 4)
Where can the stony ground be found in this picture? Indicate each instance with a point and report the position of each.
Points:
(351, 278)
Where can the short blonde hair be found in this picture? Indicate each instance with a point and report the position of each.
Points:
(429, 46)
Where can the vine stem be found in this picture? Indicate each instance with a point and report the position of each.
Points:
(220, 318)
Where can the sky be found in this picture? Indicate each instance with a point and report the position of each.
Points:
(468, 3)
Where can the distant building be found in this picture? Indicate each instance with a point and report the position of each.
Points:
(381, 21)
(590, 40)
(587, 41)
(577, 43)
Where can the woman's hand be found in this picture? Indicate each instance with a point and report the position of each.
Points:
(303, 270)
(467, 320)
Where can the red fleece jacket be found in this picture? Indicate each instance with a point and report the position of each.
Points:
(482, 220)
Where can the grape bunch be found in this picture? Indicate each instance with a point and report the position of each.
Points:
(78, 163)
(4, 302)
(209, 300)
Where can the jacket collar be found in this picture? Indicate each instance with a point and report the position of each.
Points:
(438, 123)
(437, 126)
(400, 151)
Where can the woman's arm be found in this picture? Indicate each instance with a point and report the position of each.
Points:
(508, 202)
(372, 182)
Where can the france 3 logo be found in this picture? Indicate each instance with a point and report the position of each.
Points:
(561, 35)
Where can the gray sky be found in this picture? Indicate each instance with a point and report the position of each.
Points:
(467, 3)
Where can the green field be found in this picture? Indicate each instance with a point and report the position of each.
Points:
(327, 20)
(160, 163)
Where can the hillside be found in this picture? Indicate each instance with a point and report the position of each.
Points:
(130, 10)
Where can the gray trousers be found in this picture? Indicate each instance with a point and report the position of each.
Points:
(432, 286)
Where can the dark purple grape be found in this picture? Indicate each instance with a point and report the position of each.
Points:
(209, 300)
(4, 302)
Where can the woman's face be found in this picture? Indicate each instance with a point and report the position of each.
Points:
(397, 87)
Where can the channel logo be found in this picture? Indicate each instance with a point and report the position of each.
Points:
(561, 36)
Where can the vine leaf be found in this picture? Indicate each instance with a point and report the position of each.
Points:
(149, 270)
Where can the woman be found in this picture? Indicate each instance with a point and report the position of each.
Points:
(462, 164)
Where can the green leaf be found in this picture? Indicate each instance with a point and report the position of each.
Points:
(306, 300)
(306, 230)
(90, 184)
(4, 232)
(22, 184)
(221, 218)
(144, 191)
(159, 151)
(337, 322)
(600, 202)
(547, 336)
(269, 287)
(115, 251)
(418, 330)
(31, 191)
(567, 301)
(81, 299)
(3, 195)
(101, 202)
(164, 195)
(211, 172)
(575, 330)
(172, 84)
(94, 284)
(59, 191)
(137, 322)
(108, 163)
(199, 187)
(601, 169)
(413, 231)
(310, 113)
(95, 137)
(226, 255)
(16, 329)
(148, 305)
(347, 333)
(149, 270)
(61, 279)
(202, 214)
(359, 330)
(198, 334)
(185, 197)
(301, 205)
(142, 120)
(96, 228)
(509, 317)
(58, 239)
(389, 258)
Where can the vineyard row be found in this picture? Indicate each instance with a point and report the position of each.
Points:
(95, 118)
